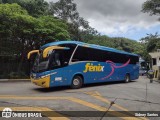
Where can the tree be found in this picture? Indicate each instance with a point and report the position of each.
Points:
(64, 9)
(152, 7)
(17, 25)
(49, 29)
(151, 43)
(35, 8)
(118, 43)
(67, 11)
(20, 32)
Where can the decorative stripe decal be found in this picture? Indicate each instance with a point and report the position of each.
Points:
(113, 66)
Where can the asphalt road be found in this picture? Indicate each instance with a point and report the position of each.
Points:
(111, 98)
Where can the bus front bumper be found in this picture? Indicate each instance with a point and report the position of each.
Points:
(43, 82)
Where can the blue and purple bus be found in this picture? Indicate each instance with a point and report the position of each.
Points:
(73, 63)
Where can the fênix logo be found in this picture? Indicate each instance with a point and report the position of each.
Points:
(7, 112)
(89, 67)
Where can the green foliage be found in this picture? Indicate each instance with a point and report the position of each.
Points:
(12, 16)
(64, 9)
(51, 29)
(118, 43)
(29, 32)
(12, 9)
(35, 8)
(27, 24)
(152, 7)
(20, 32)
(67, 11)
(151, 43)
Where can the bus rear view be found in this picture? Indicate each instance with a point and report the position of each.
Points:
(71, 63)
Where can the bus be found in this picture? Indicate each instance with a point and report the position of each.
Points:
(73, 63)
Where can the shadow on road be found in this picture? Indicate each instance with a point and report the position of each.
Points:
(62, 88)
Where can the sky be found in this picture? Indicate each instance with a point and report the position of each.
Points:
(118, 18)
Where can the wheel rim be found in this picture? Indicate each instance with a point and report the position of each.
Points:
(75, 82)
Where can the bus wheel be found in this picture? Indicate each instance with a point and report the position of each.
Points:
(77, 82)
(127, 78)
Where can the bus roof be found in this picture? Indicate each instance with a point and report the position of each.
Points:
(87, 45)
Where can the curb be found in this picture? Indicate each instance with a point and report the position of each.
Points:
(14, 80)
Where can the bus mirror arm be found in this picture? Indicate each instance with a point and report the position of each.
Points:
(46, 50)
(32, 52)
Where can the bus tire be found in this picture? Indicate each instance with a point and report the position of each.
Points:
(77, 82)
(127, 78)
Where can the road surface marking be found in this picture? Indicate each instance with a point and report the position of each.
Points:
(100, 108)
(98, 96)
(40, 109)
(76, 100)
(32, 97)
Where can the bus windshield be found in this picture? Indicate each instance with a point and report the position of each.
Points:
(52, 61)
